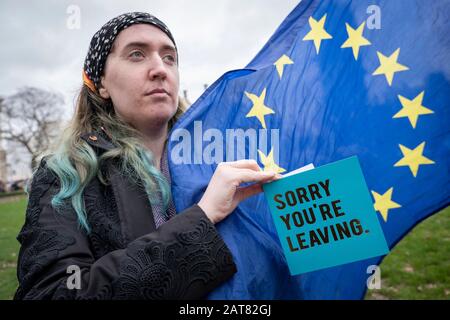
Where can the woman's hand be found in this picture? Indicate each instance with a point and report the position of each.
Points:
(223, 193)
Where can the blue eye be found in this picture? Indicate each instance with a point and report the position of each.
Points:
(170, 58)
(136, 54)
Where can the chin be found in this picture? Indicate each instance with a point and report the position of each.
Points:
(161, 118)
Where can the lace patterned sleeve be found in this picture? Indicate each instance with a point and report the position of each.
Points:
(183, 259)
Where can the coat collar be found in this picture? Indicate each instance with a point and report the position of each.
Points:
(98, 139)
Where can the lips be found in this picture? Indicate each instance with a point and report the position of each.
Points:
(156, 91)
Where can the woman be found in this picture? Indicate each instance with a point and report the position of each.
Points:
(100, 223)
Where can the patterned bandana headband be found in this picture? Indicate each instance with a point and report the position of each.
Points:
(103, 40)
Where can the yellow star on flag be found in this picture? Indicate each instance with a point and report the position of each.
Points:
(389, 66)
(383, 203)
(413, 158)
(355, 39)
(280, 63)
(258, 110)
(317, 33)
(269, 163)
(412, 109)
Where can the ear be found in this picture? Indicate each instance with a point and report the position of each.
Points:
(102, 90)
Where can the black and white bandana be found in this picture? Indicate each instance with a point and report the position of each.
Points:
(103, 39)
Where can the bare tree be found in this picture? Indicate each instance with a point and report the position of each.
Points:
(32, 118)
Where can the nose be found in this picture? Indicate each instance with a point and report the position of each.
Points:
(157, 69)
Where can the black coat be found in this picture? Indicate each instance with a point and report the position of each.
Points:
(124, 256)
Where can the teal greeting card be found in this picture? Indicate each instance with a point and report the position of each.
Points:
(325, 217)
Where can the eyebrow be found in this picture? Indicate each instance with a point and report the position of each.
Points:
(144, 45)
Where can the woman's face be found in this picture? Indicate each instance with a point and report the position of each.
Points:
(141, 77)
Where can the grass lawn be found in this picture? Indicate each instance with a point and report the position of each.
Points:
(12, 215)
(417, 268)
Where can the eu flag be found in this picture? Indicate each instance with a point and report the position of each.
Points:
(337, 79)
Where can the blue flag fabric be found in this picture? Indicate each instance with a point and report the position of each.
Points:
(337, 79)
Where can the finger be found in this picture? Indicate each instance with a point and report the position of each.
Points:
(277, 176)
(246, 192)
(247, 175)
(244, 164)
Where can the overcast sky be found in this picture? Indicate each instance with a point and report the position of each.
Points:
(39, 49)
